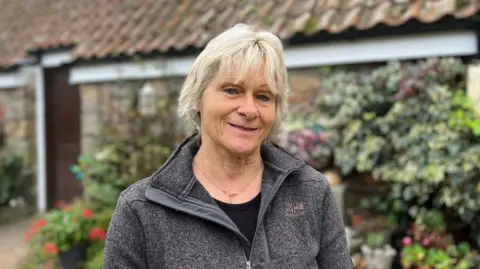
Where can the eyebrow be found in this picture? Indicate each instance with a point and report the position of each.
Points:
(239, 84)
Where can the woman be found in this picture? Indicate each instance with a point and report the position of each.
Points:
(228, 197)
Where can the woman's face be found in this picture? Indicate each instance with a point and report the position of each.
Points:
(237, 117)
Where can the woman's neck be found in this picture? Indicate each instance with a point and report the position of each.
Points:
(218, 161)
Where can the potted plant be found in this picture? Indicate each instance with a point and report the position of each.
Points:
(417, 256)
(65, 233)
(377, 253)
(428, 246)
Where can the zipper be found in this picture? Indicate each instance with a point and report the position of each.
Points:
(247, 262)
(272, 194)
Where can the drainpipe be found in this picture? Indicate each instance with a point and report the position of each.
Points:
(40, 139)
(33, 72)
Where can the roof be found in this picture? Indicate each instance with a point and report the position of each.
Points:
(106, 28)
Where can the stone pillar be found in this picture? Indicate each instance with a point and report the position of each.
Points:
(473, 84)
(90, 118)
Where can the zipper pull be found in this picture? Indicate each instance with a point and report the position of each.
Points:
(248, 265)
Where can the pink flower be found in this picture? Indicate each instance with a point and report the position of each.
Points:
(426, 242)
(407, 241)
(322, 137)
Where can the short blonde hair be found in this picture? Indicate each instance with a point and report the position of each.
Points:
(242, 48)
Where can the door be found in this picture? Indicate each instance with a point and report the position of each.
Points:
(62, 122)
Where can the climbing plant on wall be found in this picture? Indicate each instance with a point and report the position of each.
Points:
(411, 125)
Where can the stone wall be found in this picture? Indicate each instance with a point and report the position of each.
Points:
(17, 121)
(305, 87)
(109, 102)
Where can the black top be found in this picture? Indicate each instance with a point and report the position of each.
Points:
(243, 215)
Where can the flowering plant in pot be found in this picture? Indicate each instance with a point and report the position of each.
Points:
(65, 233)
(377, 253)
(419, 256)
(428, 246)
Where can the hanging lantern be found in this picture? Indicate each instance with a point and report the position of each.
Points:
(147, 100)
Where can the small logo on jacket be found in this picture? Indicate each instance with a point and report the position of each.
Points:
(295, 209)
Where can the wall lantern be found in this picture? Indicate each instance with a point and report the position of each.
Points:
(147, 100)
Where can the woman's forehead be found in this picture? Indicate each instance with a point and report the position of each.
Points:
(251, 76)
(240, 72)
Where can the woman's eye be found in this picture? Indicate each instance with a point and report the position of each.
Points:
(230, 91)
(263, 98)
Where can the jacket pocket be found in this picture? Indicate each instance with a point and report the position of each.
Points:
(304, 260)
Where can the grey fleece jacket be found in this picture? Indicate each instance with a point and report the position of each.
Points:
(170, 221)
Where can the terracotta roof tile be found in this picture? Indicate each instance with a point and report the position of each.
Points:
(103, 28)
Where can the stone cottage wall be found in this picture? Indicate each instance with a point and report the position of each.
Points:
(103, 103)
(305, 85)
(17, 121)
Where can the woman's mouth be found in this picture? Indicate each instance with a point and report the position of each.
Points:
(243, 128)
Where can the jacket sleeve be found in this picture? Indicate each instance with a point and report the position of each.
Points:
(125, 242)
(334, 252)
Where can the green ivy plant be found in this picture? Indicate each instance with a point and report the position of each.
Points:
(412, 126)
(11, 167)
(131, 151)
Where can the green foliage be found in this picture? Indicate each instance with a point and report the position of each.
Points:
(95, 257)
(376, 240)
(454, 257)
(11, 167)
(131, 151)
(412, 126)
(57, 231)
(395, 210)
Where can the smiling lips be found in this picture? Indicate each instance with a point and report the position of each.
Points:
(243, 128)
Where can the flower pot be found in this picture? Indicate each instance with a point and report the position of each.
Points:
(356, 220)
(378, 258)
(73, 258)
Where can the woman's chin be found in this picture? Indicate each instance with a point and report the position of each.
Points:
(243, 147)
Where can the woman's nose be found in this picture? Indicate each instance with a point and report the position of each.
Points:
(248, 108)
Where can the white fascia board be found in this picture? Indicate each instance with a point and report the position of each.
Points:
(11, 80)
(55, 59)
(130, 71)
(459, 43)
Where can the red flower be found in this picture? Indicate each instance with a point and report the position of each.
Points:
(40, 223)
(68, 208)
(87, 213)
(37, 225)
(97, 234)
(28, 236)
(50, 248)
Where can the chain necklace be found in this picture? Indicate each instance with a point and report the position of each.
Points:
(230, 195)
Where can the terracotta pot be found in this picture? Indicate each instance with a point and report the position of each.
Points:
(356, 220)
